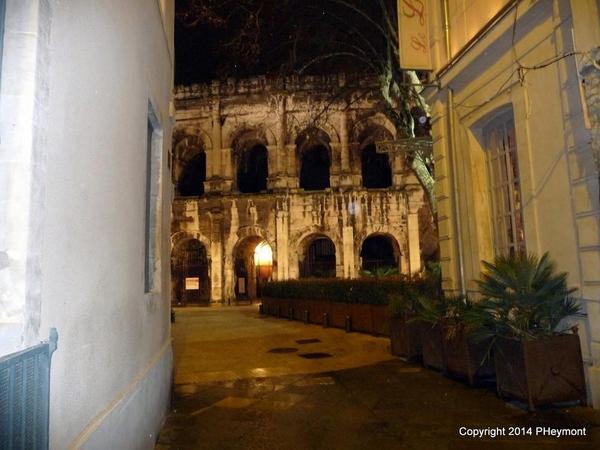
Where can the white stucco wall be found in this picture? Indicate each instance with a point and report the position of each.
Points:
(76, 111)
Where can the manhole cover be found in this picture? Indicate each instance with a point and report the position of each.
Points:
(283, 350)
(307, 341)
(316, 355)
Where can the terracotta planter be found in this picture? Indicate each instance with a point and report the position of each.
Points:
(361, 317)
(380, 318)
(465, 358)
(337, 314)
(405, 338)
(540, 371)
(432, 346)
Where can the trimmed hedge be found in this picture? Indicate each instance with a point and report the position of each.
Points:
(372, 291)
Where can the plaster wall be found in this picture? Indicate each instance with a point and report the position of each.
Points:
(554, 145)
(76, 103)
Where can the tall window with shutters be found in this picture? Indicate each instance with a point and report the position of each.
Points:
(504, 185)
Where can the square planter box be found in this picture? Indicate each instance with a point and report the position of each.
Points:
(361, 317)
(540, 371)
(337, 314)
(316, 310)
(380, 318)
(465, 358)
(432, 346)
(405, 338)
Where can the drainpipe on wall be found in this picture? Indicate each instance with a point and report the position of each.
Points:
(455, 199)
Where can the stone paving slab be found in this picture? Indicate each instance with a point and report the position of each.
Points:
(369, 401)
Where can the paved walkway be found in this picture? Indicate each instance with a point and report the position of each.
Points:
(249, 382)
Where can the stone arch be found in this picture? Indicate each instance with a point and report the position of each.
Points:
(199, 136)
(250, 158)
(190, 271)
(181, 236)
(372, 258)
(375, 167)
(362, 125)
(246, 278)
(303, 240)
(313, 148)
(324, 126)
(189, 160)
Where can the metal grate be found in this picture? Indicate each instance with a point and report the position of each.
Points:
(24, 396)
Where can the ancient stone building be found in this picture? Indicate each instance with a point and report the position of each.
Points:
(285, 167)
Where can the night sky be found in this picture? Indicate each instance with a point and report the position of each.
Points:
(292, 32)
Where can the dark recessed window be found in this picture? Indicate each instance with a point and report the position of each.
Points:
(377, 252)
(314, 172)
(253, 170)
(191, 182)
(376, 170)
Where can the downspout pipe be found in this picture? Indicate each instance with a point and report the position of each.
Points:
(455, 199)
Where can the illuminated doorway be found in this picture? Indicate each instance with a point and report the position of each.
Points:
(253, 267)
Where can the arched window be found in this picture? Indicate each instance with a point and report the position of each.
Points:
(376, 170)
(378, 252)
(253, 170)
(314, 172)
(319, 260)
(191, 181)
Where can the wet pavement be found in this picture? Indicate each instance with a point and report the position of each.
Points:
(245, 382)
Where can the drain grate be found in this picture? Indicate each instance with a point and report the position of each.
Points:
(316, 355)
(308, 341)
(283, 350)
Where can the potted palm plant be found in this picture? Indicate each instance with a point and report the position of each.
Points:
(465, 356)
(537, 354)
(430, 314)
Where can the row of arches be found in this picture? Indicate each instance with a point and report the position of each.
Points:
(314, 156)
(315, 165)
(253, 264)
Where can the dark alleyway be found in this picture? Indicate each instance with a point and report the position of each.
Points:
(242, 383)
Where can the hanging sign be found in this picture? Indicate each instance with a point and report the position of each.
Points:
(413, 34)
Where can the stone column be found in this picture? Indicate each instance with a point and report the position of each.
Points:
(348, 252)
(280, 151)
(415, 200)
(282, 220)
(216, 141)
(216, 253)
(345, 154)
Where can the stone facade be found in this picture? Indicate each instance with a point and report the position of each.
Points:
(290, 120)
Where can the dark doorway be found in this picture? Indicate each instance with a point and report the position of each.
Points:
(190, 274)
(191, 181)
(377, 252)
(319, 260)
(376, 170)
(253, 170)
(314, 172)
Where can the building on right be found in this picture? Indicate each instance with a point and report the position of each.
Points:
(516, 131)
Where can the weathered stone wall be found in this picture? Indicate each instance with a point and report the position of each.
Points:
(224, 120)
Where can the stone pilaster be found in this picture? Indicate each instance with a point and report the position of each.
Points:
(349, 262)
(216, 252)
(415, 201)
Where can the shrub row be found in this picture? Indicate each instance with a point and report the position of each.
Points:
(373, 291)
